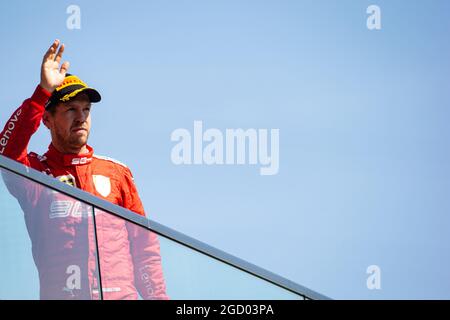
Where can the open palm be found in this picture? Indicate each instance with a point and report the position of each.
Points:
(52, 75)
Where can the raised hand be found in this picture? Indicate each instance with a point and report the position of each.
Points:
(52, 75)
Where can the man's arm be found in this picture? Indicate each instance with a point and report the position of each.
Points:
(26, 119)
(22, 125)
(145, 250)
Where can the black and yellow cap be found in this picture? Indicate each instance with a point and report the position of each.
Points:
(71, 86)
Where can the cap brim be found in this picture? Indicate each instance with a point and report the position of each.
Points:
(94, 95)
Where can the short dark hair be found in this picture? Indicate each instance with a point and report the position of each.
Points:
(51, 108)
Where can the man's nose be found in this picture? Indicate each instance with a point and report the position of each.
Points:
(80, 116)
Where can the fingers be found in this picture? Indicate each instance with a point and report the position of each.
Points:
(50, 54)
(64, 68)
(59, 54)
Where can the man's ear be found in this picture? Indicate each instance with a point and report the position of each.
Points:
(46, 119)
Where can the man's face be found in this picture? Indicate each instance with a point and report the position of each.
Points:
(70, 124)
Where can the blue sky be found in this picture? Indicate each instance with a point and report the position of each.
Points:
(364, 165)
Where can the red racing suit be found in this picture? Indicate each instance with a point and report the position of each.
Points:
(61, 228)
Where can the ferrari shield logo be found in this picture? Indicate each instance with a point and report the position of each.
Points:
(102, 185)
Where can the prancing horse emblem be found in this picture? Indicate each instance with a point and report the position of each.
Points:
(68, 179)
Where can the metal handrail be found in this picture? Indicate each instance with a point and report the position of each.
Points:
(194, 244)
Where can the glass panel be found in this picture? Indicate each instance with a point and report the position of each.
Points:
(164, 268)
(130, 261)
(48, 248)
(193, 275)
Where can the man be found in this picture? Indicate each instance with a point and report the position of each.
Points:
(61, 228)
